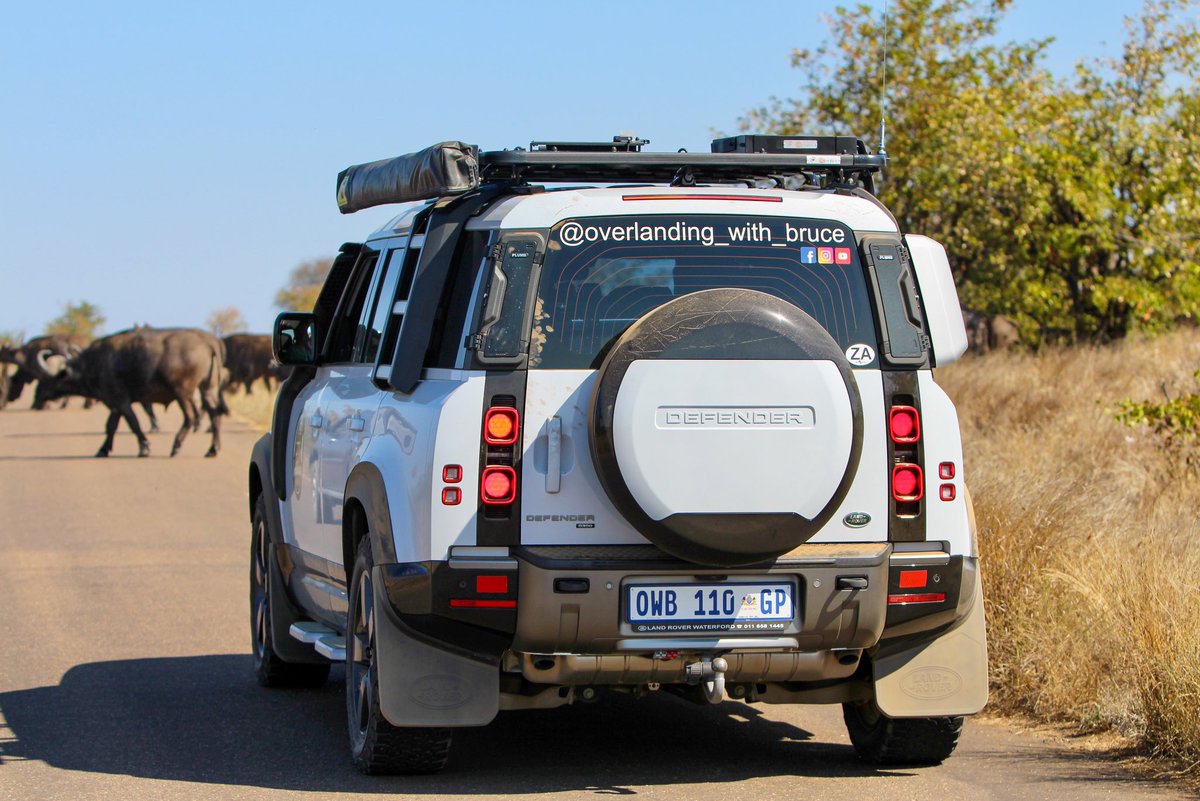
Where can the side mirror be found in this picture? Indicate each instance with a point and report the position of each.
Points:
(295, 339)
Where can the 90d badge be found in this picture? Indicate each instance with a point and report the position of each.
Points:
(856, 519)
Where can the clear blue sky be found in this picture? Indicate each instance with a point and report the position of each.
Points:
(162, 160)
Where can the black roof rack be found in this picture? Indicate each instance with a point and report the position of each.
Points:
(454, 168)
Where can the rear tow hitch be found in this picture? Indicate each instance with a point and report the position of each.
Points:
(710, 673)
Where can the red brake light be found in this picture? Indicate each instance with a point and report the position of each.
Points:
(498, 485)
(908, 483)
(501, 425)
(904, 424)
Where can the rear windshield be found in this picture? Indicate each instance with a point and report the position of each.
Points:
(603, 273)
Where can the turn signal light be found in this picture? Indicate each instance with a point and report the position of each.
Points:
(904, 424)
(501, 425)
(498, 485)
(908, 484)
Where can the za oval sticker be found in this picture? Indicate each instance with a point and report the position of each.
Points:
(860, 355)
(856, 519)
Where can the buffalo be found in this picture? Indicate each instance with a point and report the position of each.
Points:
(146, 365)
(987, 332)
(248, 359)
(24, 358)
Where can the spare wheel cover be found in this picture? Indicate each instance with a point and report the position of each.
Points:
(726, 426)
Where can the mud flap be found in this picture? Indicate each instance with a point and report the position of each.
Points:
(944, 678)
(421, 685)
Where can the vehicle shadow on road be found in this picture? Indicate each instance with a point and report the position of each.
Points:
(204, 719)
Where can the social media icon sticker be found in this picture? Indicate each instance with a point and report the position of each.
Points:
(808, 255)
(841, 255)
(825, 255)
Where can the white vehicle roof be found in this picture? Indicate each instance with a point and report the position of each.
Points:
(544, 209)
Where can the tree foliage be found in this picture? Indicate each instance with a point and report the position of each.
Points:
(80, 318)
(303, 285)
(1065, 202)
(225, 321)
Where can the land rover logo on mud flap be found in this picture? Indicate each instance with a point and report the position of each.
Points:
(440, 692)
(931, 683)
(856, 519)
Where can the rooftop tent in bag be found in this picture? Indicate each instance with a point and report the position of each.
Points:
(448, 168)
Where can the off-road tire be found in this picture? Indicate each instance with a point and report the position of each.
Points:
(376, 746)
(881, 740)
(269, 668)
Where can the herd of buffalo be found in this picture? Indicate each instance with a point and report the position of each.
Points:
(145, 366)
(141, 366)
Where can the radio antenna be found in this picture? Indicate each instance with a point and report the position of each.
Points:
(883, 85)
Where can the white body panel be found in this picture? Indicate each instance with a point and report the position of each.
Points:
(553, 518)
(729, 437)
(303, 516)
(944, 520)
(413, 437)
(543, 210)
(942, 310)
(869, 492)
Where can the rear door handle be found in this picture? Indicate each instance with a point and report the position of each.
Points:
(357, 424)
(554, 455)
(316, 421)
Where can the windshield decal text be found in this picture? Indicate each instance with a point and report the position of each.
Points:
(779, 233)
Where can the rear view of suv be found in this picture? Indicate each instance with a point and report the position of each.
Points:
(672, 427)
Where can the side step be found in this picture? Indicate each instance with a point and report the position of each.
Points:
(327, 642)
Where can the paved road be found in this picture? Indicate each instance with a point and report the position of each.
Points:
(124, 671)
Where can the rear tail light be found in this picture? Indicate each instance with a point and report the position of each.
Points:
(501, 426)
(908, 483)
(946, 471)
(451, 496)
(946, 492)
(904, 424)
(913, 579)
(452, 473)
(498, 485)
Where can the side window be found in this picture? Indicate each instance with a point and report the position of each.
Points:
(349, 318)
(407, 262)
(382, 306)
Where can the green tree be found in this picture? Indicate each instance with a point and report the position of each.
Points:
(1064, 202)
(303, 285)
(80, 318)
(225, 321)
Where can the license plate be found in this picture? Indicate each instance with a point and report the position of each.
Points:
(748, 606)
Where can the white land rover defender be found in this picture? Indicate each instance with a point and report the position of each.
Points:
(674, 431)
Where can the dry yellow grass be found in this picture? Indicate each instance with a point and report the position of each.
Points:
(1088, 536)
(255, 408)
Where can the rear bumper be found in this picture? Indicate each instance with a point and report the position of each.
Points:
(568, 606)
